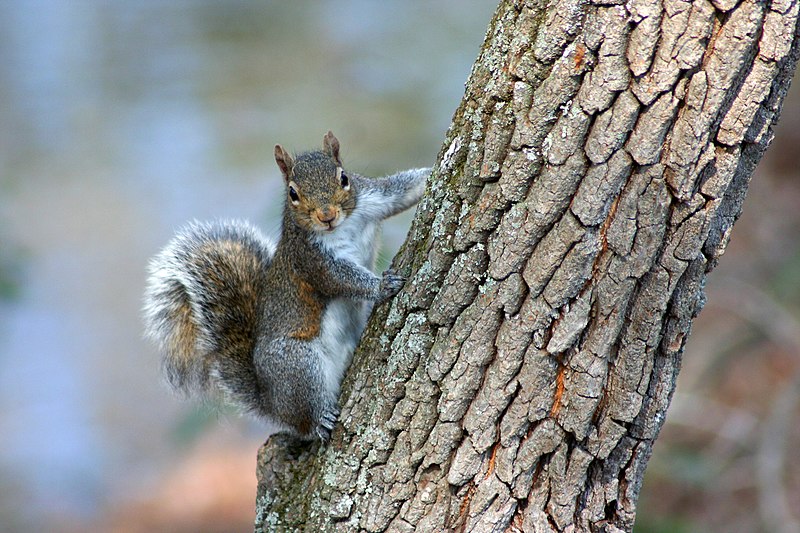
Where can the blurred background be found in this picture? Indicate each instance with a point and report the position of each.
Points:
(120, 121)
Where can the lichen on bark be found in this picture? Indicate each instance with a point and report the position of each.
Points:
(587, 185)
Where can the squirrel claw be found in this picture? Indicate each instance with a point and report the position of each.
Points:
(326, 423)
(391, 283)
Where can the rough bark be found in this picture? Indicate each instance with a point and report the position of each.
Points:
(588, 183)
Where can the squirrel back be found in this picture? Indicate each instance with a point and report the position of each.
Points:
(203, 303)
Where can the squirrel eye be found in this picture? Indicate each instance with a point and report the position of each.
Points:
(345, 181)
(293, 195)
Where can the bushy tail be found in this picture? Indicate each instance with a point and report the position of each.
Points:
(202, 306)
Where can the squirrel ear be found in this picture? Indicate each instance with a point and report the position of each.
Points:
(330, 145)
(285, 162)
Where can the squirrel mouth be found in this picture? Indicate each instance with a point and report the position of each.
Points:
(326, 221)
(328, 227)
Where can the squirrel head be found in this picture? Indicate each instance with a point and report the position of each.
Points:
(319, 194)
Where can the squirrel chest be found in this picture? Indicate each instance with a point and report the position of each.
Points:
(343, 319)
(308, 315)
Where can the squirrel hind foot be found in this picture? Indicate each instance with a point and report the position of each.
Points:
(308, 426)
(326, 423)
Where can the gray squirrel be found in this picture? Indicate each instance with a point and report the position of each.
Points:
(273, 326)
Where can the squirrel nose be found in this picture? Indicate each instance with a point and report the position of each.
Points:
(327, 216)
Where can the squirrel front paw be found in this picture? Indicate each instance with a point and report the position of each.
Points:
(391, 284)
(327, 421)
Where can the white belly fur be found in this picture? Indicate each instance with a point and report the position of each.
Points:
(344, 319)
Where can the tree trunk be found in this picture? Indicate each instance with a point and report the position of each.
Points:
(587, 185)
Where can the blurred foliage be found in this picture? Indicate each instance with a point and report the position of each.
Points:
(785, 284)
(12, 267)
(644, 524)
(197, 420)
